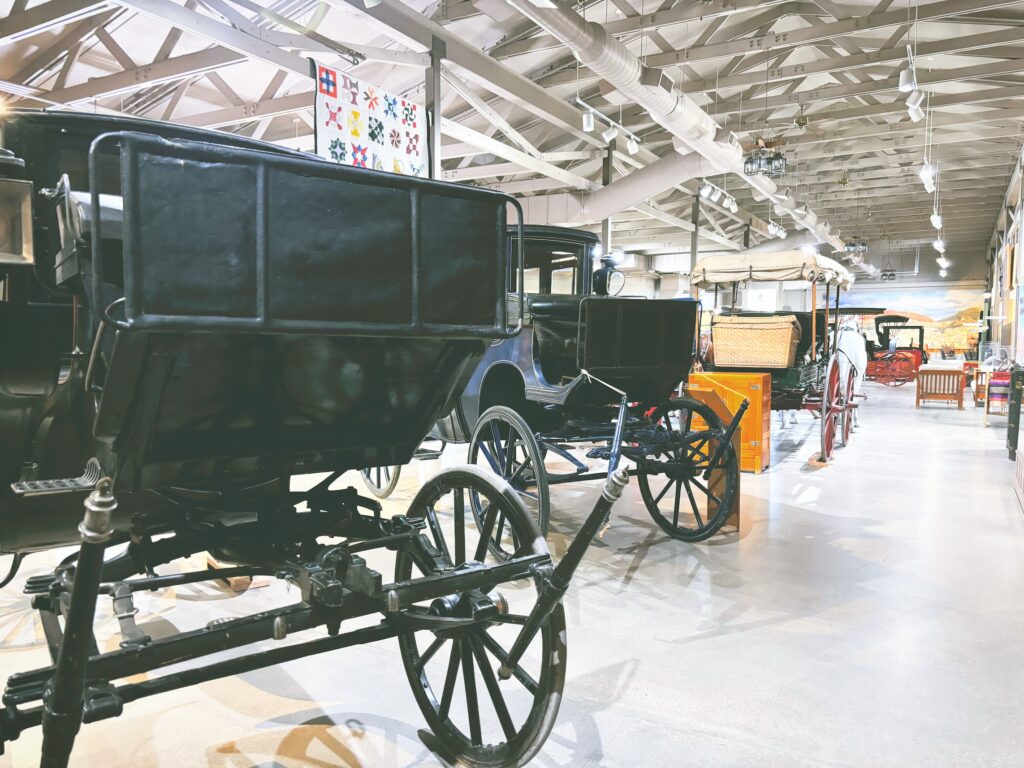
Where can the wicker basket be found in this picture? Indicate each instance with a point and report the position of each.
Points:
(755, 342)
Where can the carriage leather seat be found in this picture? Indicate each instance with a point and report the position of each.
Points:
(556, 327)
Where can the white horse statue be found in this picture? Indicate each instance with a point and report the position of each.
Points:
(853, 352)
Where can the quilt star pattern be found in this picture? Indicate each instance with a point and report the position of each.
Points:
(361, 125)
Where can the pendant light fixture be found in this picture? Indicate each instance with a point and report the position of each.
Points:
(908, 77)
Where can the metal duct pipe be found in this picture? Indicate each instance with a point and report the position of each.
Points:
(574, 208)
(693, 128)
(643, 183)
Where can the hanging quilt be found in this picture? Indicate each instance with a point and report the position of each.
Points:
(363, 126)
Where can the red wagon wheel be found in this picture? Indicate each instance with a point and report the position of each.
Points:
(848, 406)
(895, 369)
(831, 410)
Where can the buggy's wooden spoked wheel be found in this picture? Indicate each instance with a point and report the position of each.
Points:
(831, 409)
(381, 481)
(896, 370)
(849, 406)
(505, 444)
(684, 503)
(478, 720)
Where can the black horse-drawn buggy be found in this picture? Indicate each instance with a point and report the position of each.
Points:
(188, 321)
(596, 374)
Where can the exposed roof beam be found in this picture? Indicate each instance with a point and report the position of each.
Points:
(476, 64)
(40, 18)
(215, 31)
(847, 62)
(778, 42)
(891, 83)
(680, 14)
(461, 132)
(219, 118)
(897, 106)
(151, 74)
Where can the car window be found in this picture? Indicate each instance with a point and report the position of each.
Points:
(551, 266)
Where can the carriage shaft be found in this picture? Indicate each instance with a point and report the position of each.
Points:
(556, 584)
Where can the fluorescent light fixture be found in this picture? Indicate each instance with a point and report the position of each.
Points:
(908, 80)
(631, 146)
(936, 220)
(939, 245)
(610, 133)
(915, 100)
(588, 122)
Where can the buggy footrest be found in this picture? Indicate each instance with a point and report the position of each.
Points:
(85, 482)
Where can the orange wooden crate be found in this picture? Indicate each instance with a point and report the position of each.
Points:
(756, 426)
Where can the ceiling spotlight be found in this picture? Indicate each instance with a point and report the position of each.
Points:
(588, 122)
(916, 114)
(915, 100)
(716, 194)
(943, 273)
(908, 80)
(705, 190)
(936, 220)
(610, 133)
(631, 146)
(939, 245)
(943, 262)
(927, 174)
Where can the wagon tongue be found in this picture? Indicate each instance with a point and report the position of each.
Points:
(555, 582)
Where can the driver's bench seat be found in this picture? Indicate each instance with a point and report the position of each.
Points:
(557, 330)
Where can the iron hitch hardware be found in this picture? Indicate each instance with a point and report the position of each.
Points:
(125, 612)
(554, 586)
(95, 528)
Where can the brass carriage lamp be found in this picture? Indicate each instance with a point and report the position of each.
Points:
(16, 245)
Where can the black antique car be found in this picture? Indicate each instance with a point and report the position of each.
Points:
(597, 373)
(188, 321)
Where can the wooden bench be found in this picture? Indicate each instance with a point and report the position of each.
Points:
(944, 385)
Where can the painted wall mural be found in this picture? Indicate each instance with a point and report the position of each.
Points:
(363, 126)
(949, 315)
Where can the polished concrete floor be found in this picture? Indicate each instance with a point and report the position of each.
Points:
(870, 613)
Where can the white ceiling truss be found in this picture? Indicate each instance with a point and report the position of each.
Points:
(509, 89)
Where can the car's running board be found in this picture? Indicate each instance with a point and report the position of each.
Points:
(86, 482)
